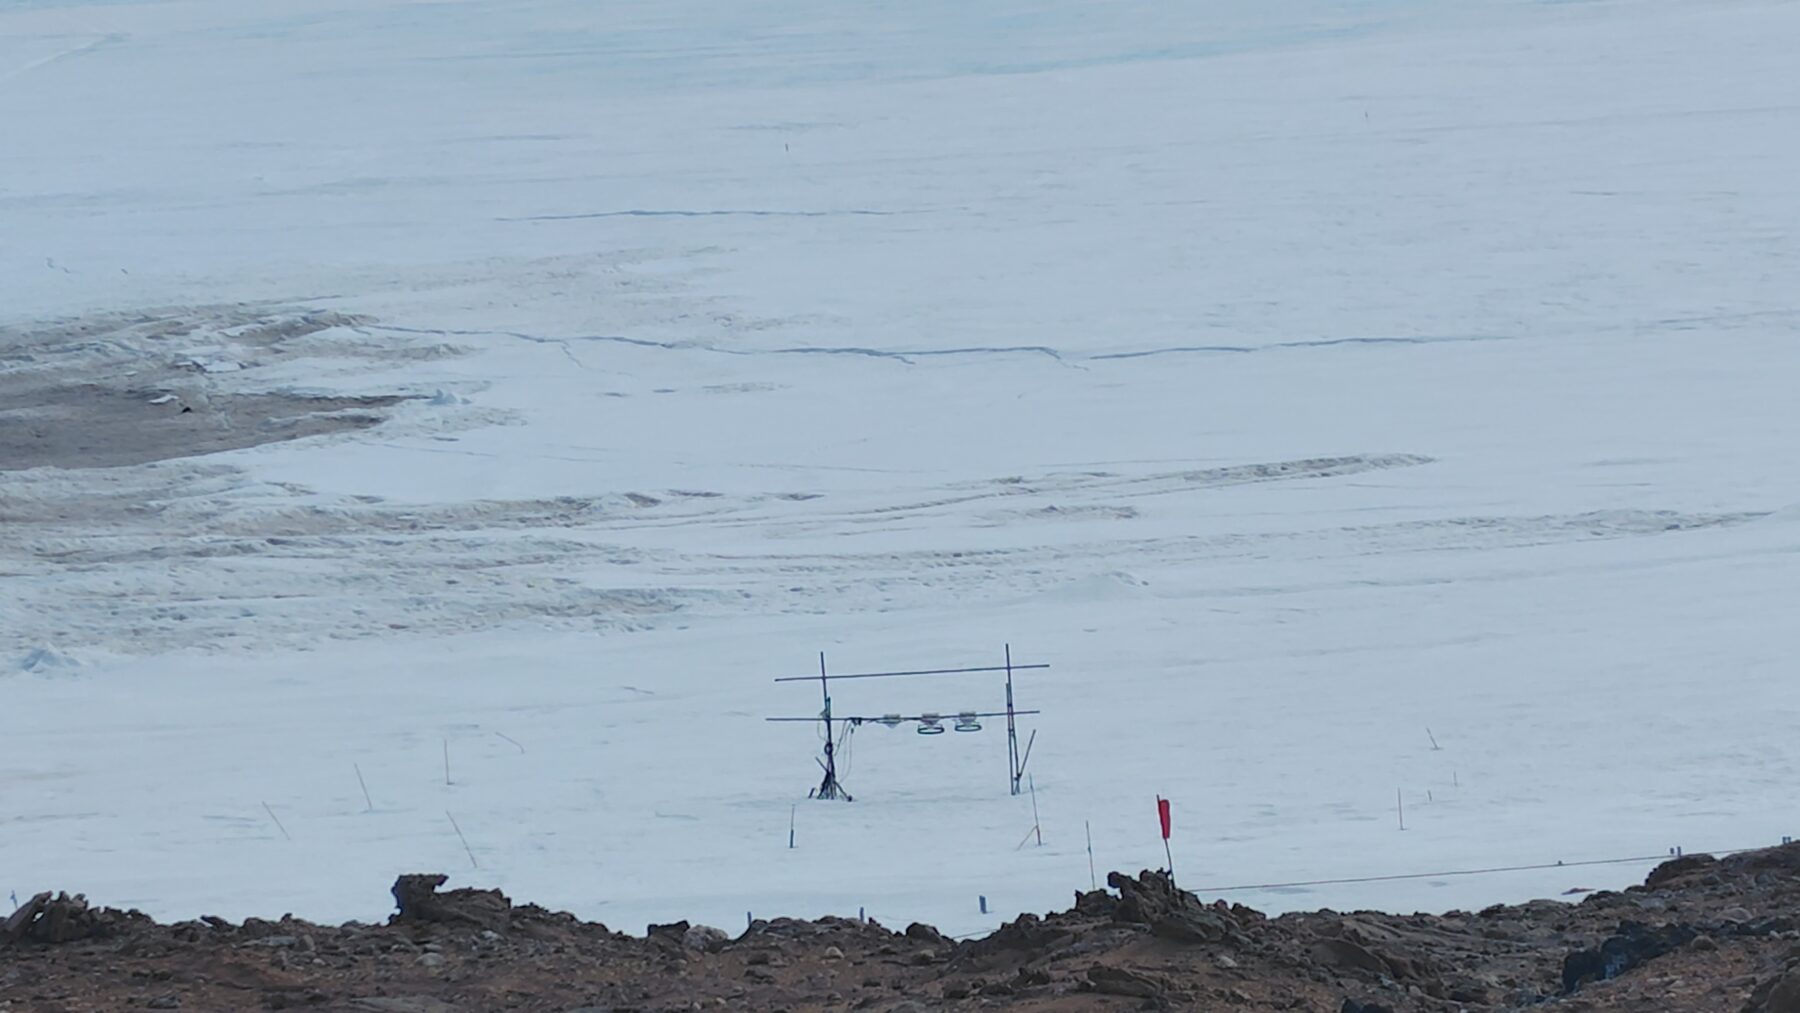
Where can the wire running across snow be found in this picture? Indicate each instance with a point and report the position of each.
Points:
(1465, 872)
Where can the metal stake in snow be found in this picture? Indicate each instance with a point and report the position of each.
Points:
(277, 820)
(1400, 808)
(1162, 814)
(1037, 825)
(1089, 827)
(473, 864)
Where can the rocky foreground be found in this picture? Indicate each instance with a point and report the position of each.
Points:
(1700, 934)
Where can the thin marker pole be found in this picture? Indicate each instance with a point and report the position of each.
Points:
(365, 788)
(1036, 824)
(791, 811)
(1400, 808)
(277, 820)
(473, 864)
(446, 761)
(1093, 884)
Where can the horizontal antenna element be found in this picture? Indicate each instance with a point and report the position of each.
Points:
(898, 718)
(925, 671)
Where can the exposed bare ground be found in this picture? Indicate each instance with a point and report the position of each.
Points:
(1702, 934)
(112, 390)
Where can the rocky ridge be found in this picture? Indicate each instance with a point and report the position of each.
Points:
(1700, 934)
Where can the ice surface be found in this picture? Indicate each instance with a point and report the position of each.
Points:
(1292, 377)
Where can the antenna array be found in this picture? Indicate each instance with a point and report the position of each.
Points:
(838, 727)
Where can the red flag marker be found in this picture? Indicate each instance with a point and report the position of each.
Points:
(1162, 813)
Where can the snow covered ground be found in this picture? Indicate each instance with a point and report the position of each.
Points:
(1292, 377)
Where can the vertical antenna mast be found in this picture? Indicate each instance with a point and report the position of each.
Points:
(1012, 731)
(829, 788)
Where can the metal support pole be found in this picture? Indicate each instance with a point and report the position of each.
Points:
(1012, 731)
(829, 788)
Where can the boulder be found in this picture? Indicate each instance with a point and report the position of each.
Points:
(927, 934)
(1785, 996)
(1778, 994)
(672, 934)
(704, 937)
(1345, 955)
(1108, 980)
(1633, 944)
(418, 901)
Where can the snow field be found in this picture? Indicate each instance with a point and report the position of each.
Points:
(1290, 379)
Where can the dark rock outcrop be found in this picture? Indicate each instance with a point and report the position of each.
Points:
(1713, 937)
(1152, 899)
(1632, 945)
(1680, 869)
(52, 919)
(1109, 980)
(418, 900)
